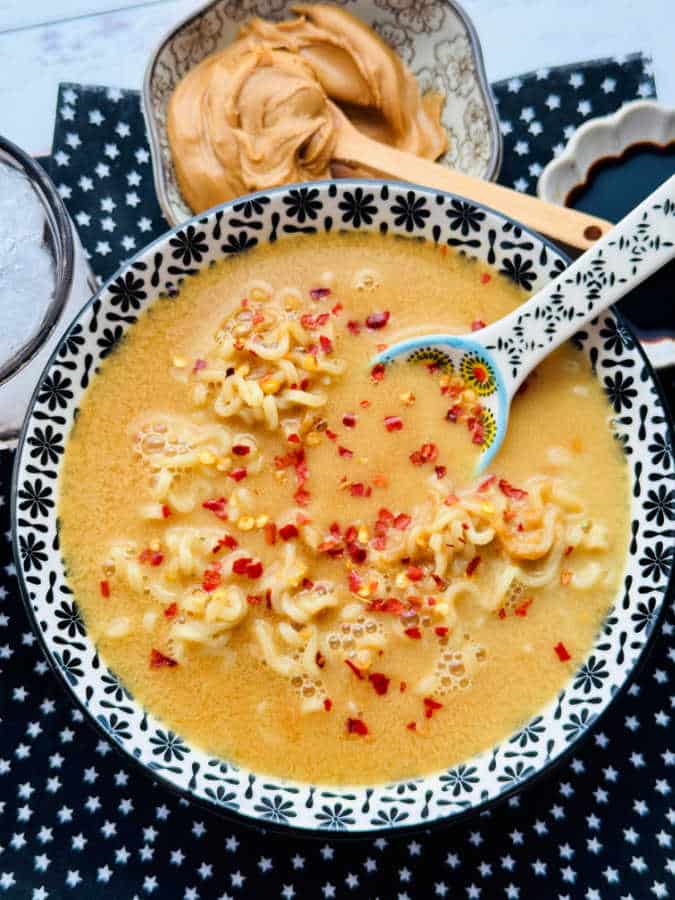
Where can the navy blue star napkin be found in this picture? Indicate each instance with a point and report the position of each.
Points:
(77, 820)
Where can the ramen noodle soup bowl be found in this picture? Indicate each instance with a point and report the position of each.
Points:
(639, 422)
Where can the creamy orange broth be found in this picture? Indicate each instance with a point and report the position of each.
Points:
(227, 699)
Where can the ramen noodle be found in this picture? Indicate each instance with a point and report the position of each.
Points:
(282, 550)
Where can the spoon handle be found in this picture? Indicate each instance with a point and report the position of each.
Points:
(641, 243)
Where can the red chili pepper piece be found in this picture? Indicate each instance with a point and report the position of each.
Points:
(270, 533)
(364, 403)
(345, 452)
(159, 660)
(171, 611)
(473, 565)
(486, 483)
(240, 566)
(302, 497)
(326, 343)
(413, 632)
(105, 588)
(254, 599)
(353, 327)
(337, 309)
(509, 491)
(212, 577)
(241, 449)
(357, 726)
(217, 506)
(151, 557)
(377, 320)
(485, 278)
(393, 423)
(357, 489)
(414, 573)
(561, 650)
(453, 414)
(199, 365)
(377, 372)
(403, 687)
(411, 726)
(331, 435)
(357, 552)
(327, 704)
(502, 613)
(320, 659)
(522, 608)
(286, 532)
(441, 471)
(349, 420)
(402, 521)
(238, 474)
(380, 682)
(430, 706)
(355, 581)
(318, 293)
(254, 570)
(441, 630)
(294, 438)
(166, 512)
(477, 324)
(355, 669)
(390, 605)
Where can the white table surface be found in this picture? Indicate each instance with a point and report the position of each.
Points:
(43, 42)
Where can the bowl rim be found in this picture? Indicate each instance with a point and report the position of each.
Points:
(289, 828)
(493, 166)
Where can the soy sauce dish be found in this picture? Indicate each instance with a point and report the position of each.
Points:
(264, 568)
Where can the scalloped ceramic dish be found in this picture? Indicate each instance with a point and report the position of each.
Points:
(641, 426)
(435, 39)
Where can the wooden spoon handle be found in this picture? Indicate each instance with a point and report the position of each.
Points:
(568, 226)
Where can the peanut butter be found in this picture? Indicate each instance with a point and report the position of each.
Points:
(259, 113)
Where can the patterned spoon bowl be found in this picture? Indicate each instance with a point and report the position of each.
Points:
(495, 361)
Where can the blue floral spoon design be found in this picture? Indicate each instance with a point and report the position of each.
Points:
(495, 361)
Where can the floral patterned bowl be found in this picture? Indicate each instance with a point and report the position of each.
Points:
(435, 38)
(640, 423)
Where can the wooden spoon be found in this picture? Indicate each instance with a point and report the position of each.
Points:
(568, 226)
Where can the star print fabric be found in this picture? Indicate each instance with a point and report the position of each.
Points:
(78, 821)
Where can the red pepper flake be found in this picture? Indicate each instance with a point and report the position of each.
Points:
(440, 583)
(151, 557)
(377, 372)
(565, 577)
(561, 650)
(381, 347)
(293, 438)
(357, 726)
(240, 566)
(522, 608)
(485, 278)
(414, 573)
(403, 687)
(318, 293)
(402, 521)
(286, 532)
(473, 565)
(353, 327)
(238, 474)
(307, 584)
(337, 309)
(241, 449)
(477, 432)
(254, 599)
(486, 483)
(199, 365)
(212, 577)
(426, 453)
(255, 570)
(355, 581)
(355, 669)
(357, 552)
(326, 343)
(351, 533)
(334, 529)
(413, 633)
(430, 706)
(411, 726)
(332, 547)
(328, 704)
(171, 610)
(386, 516)
(349, 420)
(320, 659)
(393, 423)
(441, 471)
(160, 660)
(441, 630)
(217, 506)
(380, 682)
(477, 324)
(365, 403)
(105, 588)
(509, 491)
(377, 320)
(390, 605)
(226, 541)
(302, 497)
(345, 452)
(568, 550)
(331, 435)
(166, 512)
(502, 613)
(453, 414)
(380, 480)
(357, 489)
(451, 499)
(270, 531)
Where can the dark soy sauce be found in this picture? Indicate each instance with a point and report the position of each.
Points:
(614, 186)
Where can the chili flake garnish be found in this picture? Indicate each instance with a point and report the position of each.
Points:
(568, 550)
(411, 726)
(217, 506)
(302, 497)
(364, 403)
(473, 565)
(238, 474)
(105, 588)
(241, 449)
(349, 420)
(377, 372)
(502, 613)
(355, 669)
(426, 453)
(402, 521)
(212, 577)
(485, 278)
(353, 327)
(413, 633)
(327, 704)
(326, 343)
(166, 512)
(159, 660)
(565, 577)
(477, 324)
(430, 706)
(199, 365)
(393, 423)
(357, 552)
(345, 452)
(357, 726)
(388, 605)
(441, 630)
(414, 573)
(151, 557)
(254, 599)
(380, 682)
(509, 491)
(486, 483)
(331, 435)
(320, 659)
(453, 414)
(522, 608)
(318, 293)
(355, 581)
(171, 611)
(247, 566)
(561, 650)
(403, 686)
(286, 532)
(337, 309)
(377, 320)
(359, 489)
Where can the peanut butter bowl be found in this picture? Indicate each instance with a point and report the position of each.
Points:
(310, 613)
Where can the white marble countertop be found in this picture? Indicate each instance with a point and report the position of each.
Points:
(43, 42)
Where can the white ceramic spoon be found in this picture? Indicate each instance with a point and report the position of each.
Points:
(495, 360)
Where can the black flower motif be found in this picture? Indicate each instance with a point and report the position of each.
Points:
(46, 445)
(254, 206)
(275, 809)
(519, 270)
(35, 498)
(303, 204)
(577, 724)
(616, 337)
(388, 817)
(72, 342)
(32, 552)
(661, 451)
(514, 774)
(168, 745)
(461, 779)
(645, 615)
(464, 217)
(657, 561)
(71, 665)
(113, 686)
(109, 340)
(358, 207)
(529, 734)
(410, 211)
(55, 391)
(591, 674)
(69, 619)
(336, 817)
(660, 505)
(189, 245)
(620, 391)
(117, 728)
(127, 292)
(239, 243)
